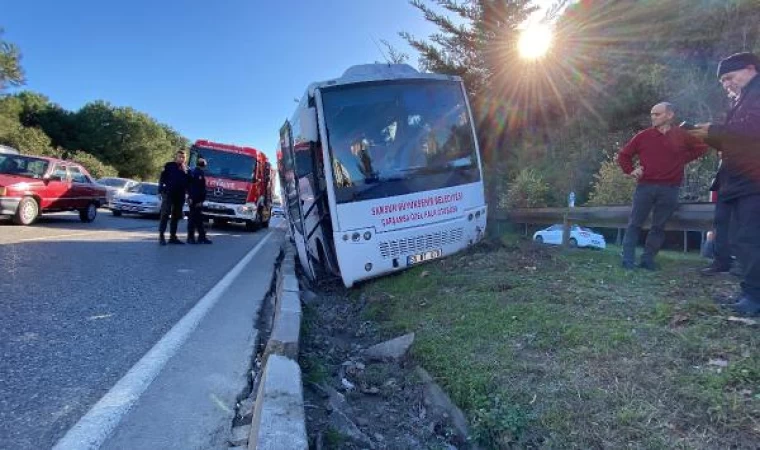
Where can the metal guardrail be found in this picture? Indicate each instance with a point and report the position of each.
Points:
(688, 217)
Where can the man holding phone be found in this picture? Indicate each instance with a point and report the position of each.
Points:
(739, 142)
(662, 151)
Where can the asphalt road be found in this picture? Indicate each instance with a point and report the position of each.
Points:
(81, 303)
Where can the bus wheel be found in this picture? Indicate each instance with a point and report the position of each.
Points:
(320, 268)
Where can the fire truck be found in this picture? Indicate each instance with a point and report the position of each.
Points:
(239, 183)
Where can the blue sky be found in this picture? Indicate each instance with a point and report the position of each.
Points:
(223, 70)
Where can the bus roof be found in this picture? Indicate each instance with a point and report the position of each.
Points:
(228, 148)
(377, 72)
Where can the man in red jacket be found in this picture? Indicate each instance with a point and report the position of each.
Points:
(662, 151)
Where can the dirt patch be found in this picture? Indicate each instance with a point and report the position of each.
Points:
(352, 402)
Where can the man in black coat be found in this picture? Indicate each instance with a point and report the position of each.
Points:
(739, 141)
(196, 196)
(172, 187)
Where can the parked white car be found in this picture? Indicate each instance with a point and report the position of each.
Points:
(115, 185)
(579, 237)
(141, 198)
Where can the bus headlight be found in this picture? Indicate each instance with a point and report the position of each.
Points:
(367, 235)
(355, 237)
(368, 267)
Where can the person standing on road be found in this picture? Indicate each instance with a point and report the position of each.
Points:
(739, 142)
(196, 194)
(172, 186)
(663, 151)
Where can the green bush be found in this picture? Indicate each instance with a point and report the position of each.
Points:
(527, 190)
(28, 140)
(611, 185)
(93, 165)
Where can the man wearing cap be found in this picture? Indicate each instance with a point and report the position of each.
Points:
(196, 195)
(662, 150)
(739, 141)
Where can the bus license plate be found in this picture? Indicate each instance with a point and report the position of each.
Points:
(420, 257)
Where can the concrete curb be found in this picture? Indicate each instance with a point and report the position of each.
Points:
(278, 420)
(278, 417)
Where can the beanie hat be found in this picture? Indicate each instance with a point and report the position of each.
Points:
(738, 61)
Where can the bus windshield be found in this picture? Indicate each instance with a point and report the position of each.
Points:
(398, 137)
(228, 165)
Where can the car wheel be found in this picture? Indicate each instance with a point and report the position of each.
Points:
(265, 224)
(116, 213)
(573, 242)
(250, 225)
(88, 214)
(27, 212)
(540, 239)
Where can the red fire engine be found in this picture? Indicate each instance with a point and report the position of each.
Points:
(238, 183)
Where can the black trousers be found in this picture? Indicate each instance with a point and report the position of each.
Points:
(724, 241)
(171, 206)
(661, 201)
(747, 216)
(195, 222)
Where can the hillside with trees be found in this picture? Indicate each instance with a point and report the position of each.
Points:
(564, 116)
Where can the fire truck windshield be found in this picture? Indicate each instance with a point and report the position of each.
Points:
(220, 164)
(398, 137)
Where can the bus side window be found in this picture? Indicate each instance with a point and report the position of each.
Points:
(290, 178)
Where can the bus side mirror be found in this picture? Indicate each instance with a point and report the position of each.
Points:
(309, 129)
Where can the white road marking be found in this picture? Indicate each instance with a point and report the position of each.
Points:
(54, 237)
(59, 236)
(100, 316)
(96, 426)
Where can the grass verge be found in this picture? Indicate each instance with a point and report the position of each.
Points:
(544, 347)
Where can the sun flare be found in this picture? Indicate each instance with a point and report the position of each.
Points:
(534, 41)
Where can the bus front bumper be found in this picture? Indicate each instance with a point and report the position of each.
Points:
(231, 212)
(364, 254)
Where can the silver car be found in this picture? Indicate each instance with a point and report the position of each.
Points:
(141, 198)
(115, 185)
(4, 149)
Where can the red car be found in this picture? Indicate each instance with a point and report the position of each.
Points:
(32, 185)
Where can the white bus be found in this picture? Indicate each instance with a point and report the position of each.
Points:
(380, 170)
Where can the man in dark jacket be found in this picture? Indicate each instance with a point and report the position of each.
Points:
(172, 186)
(739, 141)
(196, 197)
